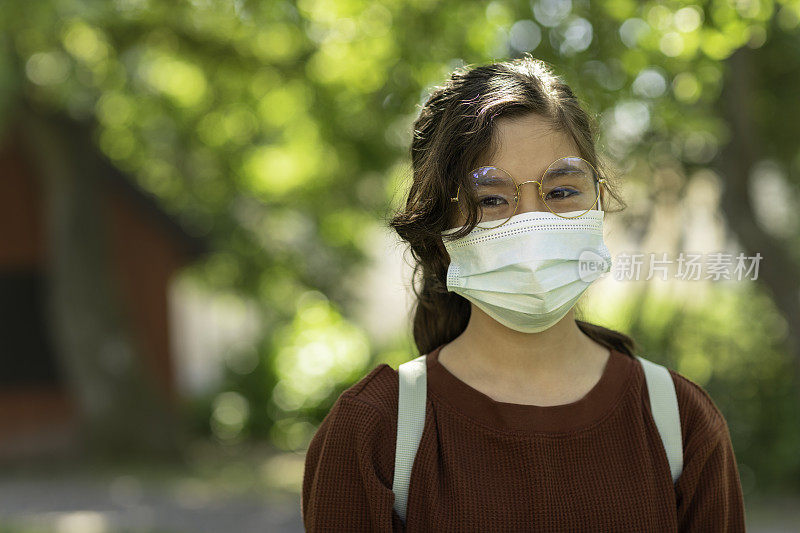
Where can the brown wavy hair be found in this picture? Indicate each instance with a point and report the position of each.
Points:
(453, 132)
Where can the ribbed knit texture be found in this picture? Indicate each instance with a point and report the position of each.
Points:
(596, 464)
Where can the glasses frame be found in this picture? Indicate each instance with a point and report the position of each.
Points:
(601, 181)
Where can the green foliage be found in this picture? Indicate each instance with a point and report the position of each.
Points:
(278, 132)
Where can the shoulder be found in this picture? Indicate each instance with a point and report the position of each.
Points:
(366, 408)
(377, 391)
(701, 419)
(355, 441)
(361, 424)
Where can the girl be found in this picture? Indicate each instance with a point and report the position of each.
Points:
(528, 419)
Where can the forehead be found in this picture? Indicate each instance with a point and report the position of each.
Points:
(526, 145)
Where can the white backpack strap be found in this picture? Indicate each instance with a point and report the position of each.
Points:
(410, 423)
(664, 407)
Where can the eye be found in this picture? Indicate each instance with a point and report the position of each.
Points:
(492, 201)
(561, 193)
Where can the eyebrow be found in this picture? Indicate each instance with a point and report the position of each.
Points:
(484, 179)
(480, 176)
(564, 170)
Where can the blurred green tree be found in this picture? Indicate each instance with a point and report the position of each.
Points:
(278, 130)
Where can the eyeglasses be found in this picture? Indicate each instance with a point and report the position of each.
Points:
(569, 184)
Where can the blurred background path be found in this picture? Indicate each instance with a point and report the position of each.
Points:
(125, 503)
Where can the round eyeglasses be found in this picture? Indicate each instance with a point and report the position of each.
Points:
(569, 184)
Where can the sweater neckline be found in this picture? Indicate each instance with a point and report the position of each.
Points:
(580, 414)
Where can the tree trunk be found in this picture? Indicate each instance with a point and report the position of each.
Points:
(778, 270)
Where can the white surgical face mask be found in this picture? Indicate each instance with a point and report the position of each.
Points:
(528, 273)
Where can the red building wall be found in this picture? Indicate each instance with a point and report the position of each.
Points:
(143, 257)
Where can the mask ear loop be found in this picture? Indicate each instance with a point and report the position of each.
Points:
(600, 184)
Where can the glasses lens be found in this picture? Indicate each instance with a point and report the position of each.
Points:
(570, 184)
(494, 190)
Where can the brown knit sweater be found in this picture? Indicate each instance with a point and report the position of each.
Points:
(596, 464)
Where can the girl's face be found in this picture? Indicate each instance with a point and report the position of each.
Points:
(526, 146)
